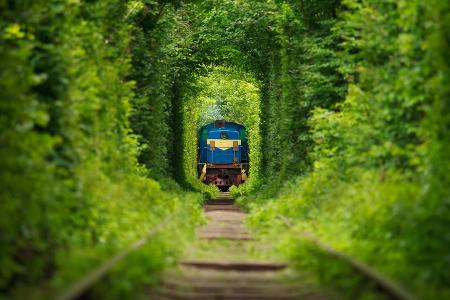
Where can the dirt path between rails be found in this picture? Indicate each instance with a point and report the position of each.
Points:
(227, 262)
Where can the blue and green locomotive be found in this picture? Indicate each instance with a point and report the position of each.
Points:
(223, 154)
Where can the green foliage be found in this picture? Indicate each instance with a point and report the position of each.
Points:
(72, 192)
(303, 74)
(155, 46)
(23, 163)
(374, 189)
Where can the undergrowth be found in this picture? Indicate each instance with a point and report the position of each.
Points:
(373, 186)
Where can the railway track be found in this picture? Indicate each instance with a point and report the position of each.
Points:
(226, 270)
(226, 263)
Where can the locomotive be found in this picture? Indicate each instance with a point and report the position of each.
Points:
(223, 154)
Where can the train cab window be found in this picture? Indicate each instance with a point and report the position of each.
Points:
(223, 134)
(219, 124)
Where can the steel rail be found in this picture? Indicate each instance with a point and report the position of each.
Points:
(80, 287)
(388, 286)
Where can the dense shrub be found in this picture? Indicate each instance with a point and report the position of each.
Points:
(372, 190)
(72, 192)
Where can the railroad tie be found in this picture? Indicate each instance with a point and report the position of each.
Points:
(202, 277)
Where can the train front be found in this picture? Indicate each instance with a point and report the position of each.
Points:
(223, 154)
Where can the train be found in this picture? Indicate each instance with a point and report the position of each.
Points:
(223, 154)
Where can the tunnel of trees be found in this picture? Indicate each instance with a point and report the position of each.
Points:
(347, 108)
